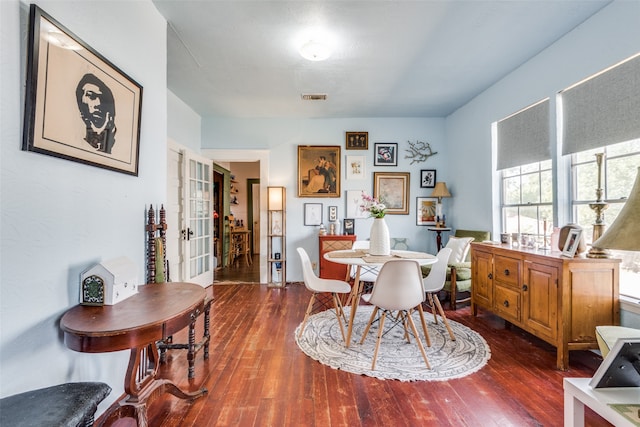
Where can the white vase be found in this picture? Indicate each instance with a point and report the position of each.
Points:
(379, 243)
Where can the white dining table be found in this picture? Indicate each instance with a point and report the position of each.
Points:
(361, 258)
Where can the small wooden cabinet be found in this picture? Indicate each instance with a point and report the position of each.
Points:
(560, 300)
(328, 243)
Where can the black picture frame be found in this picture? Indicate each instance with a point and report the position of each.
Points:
(333, 213)
(65, 80)
(620, 367)
(357, 141)
(428, 178)
(385, 154)
(349, 226)
(312, 213)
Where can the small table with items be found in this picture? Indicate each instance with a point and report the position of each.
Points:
(360, 258)
(439, 231)
(578, 393)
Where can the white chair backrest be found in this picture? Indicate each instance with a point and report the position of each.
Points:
(398, 285)
(434, 282)
(360, 244)
(310, 278)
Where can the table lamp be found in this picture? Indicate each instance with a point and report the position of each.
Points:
(440, 191)
(624, 233)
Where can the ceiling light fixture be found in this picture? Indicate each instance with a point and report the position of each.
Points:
(315, 51)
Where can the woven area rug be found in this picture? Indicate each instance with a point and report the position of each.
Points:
(397, 359)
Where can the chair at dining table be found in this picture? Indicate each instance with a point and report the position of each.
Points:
(322, 292)
(434, 283)
(397, 291)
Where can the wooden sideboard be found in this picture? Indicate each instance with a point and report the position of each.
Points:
(560, 300)
(334, 242)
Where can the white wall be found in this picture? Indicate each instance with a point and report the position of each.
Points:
(59, 217)
(183, 124)
(282, 136)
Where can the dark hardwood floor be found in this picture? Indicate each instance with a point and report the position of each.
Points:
(257, 376)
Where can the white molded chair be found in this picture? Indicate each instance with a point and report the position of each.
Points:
(320, 287)
(434, 283)
(397, 290)
(367, 274)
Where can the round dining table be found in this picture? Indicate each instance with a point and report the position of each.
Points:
(361, 258)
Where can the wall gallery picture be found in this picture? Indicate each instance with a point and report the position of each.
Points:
(426, 210)
(392, 189)
(318, 171)
(312, 213)
(79, 106)
(357, 141)
(385, 154)
(428, 178)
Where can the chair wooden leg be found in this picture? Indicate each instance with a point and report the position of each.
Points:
(444, 319)
(307, 313)
(371, 319)
(380, 332)
(339, 313)
(424, 325)
(433, 307)
(415, 331)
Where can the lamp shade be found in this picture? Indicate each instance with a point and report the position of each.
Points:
(624, 233)
(440, 190)
(275, 198)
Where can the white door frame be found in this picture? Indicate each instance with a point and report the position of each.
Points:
(261, 156)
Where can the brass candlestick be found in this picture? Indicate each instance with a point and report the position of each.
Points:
(598, 207)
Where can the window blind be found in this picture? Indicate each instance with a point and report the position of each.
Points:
(603, 109)
(523, 137)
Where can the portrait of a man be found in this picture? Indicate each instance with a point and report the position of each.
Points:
(98, 112)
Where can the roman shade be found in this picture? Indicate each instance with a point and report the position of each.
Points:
(603, 109)
(523, 137)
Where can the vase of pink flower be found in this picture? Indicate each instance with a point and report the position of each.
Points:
(379, 241)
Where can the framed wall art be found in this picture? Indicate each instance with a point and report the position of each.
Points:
(426, 210)
(333, 213)
(428, 178)
(392, 189)
(78, 106)
(354, 202)
(312, 213)
(349, 226)
(385, 154)
(357, 141)
(318, 171)
(355, 167)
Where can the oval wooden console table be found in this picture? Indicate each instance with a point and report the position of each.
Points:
(157, 311)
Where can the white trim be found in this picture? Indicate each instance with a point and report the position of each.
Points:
(630, 304)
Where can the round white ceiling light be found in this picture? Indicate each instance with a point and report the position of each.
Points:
(315, 51)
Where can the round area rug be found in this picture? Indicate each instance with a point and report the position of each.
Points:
(397, 358)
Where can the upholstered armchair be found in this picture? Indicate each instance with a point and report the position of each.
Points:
(459, 267)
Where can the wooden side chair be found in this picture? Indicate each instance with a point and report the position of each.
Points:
(158, 272)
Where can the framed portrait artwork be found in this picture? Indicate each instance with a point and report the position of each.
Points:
(357, 141)
(426, 210)
(355, 167)
(385, 154)
(312, 213)
(318, 171)
(392, 189)
(79, 106)
(572, 242)
(428, 178)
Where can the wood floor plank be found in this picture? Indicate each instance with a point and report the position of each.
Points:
(257, 376)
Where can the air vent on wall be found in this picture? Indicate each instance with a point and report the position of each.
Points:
(314, 96)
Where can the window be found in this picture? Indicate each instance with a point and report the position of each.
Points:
(619, 169)
(527, 199)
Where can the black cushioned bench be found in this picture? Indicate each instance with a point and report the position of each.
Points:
(68, 405)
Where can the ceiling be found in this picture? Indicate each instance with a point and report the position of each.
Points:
(240, 58)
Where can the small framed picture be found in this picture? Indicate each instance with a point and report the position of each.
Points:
(386, 154)
(355, 167)
(354, 203)
(312, 213)
(426, 210)
(349, 227)
(427, 178)
(572, 242)
(357, 141)
(333, 213)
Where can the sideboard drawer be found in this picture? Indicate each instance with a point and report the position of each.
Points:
(507, 271)
(507, 303)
